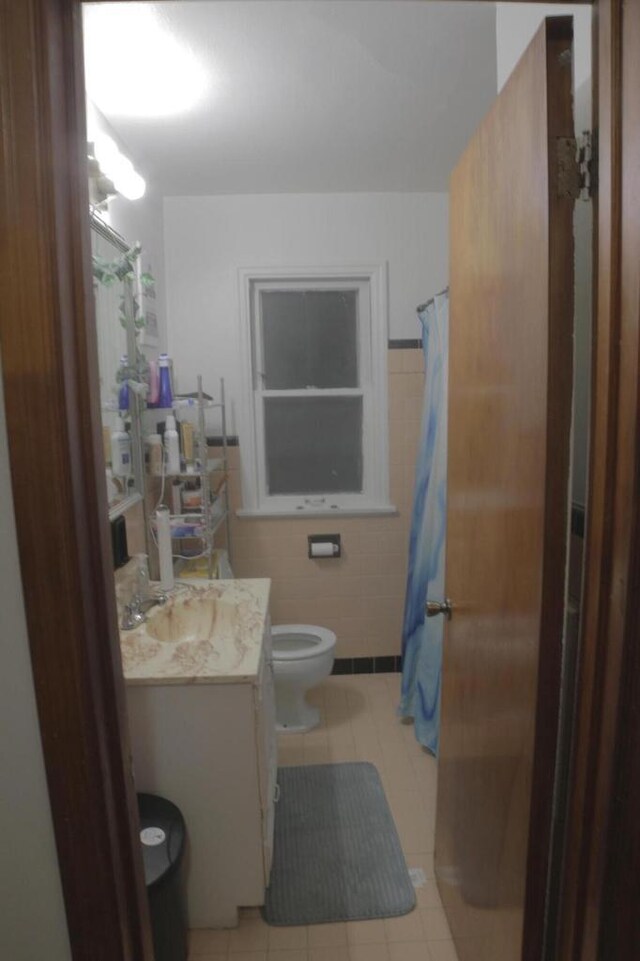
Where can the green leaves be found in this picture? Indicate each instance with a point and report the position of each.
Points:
(107, 273)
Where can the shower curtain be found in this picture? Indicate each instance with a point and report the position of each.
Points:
(422, 636)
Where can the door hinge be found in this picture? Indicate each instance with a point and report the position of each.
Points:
(576, 169)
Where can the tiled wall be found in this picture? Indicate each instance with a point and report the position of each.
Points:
(360, 596)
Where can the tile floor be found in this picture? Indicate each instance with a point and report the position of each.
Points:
(358, 724)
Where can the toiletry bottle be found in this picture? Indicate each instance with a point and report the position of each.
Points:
(106, 444)
(120, 450)
(154, 384)
(123, 393)
(176, 497)
(187, 431)
(172, 445)
(153, 458)
(165, 397)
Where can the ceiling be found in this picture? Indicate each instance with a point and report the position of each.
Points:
(308, 95)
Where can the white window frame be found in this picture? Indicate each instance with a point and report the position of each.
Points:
(370, 282)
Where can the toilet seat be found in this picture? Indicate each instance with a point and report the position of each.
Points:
(298, 642)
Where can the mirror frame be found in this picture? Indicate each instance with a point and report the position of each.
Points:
(136, 496)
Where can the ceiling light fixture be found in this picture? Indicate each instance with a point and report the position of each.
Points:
(134, 66)
(117, 168)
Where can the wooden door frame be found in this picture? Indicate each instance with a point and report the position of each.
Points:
(609, 637)
(49, 364)
(50, 373)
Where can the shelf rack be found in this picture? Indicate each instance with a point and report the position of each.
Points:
(214, 511)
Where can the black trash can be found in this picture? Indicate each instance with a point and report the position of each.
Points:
(162, 835)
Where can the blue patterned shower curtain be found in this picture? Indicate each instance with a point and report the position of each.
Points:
(422, 636)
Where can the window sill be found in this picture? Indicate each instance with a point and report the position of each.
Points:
(387, 510)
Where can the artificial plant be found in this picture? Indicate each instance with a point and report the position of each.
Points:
(123, 268)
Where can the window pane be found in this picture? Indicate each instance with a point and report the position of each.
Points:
(313, 445)
(310, 338)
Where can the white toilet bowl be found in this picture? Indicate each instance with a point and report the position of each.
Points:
(303, 656)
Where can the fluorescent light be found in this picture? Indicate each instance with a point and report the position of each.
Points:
(134, 66)
(118, 168)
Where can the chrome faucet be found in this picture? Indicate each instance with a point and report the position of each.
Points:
(135, 612)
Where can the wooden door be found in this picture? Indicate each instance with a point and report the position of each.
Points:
(511, 318)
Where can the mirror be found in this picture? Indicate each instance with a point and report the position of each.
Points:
(119, 405)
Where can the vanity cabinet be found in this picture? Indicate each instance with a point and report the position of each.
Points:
(211, 749)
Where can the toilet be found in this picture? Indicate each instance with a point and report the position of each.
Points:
(303, 656)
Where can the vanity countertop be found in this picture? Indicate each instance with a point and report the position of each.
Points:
(206, 633)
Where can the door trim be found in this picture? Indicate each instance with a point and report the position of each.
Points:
(50, 373)
(609, 635)
(49, 363)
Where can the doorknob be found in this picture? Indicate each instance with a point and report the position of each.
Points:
(432, 608)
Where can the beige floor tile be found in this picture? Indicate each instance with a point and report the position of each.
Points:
(443, 951)
(415, 951)
(327, 935)
(205, 941)
(248, 956)
(326, 953)
(251, 935)
(297, 955)
(343, 753)
(366, 932)
(372, 757)
(428, 895)
(435, 924)
(317, 754)
(368, 952)
(421, 859)
(209, 957)
(398, 774)
(406, 928)
(286, 938)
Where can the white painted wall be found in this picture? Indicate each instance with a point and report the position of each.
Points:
(141, 220)
(516, 24)
(32, 917)
(208, 238)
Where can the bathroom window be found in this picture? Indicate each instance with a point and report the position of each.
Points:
(316, 433)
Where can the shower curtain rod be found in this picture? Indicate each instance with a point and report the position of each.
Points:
(428, 303)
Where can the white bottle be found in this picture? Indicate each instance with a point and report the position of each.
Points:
(165, 557)
(120, 450)
(172, 445)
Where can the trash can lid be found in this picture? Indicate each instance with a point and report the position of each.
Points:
(162, 837)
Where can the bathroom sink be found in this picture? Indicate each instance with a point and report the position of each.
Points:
(207, 632)
(185, 620)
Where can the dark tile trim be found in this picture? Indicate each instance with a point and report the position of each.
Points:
(391, 664)
(343, 665)
(362, 665)
(216, 441)
(405, 344)
(577, 520)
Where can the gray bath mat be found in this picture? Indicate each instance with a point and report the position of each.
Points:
(337, 856)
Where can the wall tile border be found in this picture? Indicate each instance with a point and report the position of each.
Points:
(388, 664)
